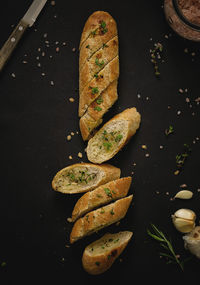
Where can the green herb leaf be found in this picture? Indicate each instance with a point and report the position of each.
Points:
(95, 90)
(108, 192)
(100, 64)
(97, 108)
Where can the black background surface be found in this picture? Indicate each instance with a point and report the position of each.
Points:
(36, 117)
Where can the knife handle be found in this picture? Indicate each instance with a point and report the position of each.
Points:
(11, 43)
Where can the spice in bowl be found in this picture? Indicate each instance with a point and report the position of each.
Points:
(184, 17)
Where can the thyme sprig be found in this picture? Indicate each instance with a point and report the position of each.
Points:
(170, 254)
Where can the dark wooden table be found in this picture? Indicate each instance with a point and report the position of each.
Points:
(36, 116)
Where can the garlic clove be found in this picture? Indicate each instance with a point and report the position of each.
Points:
(184, 194)
(184, 220)
(182, 225)
(185, 214)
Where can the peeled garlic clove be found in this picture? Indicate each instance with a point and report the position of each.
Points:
(184, 194)
(192, 241)
(184, 220)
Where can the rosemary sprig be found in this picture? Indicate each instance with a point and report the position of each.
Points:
(166, 244)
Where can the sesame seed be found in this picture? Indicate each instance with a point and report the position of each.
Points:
(71, 99)
(13, 75)
(69, 137)
(51, 82)
(70, 157)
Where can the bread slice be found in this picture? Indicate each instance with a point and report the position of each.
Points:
(113, 136)
(102, 195)
(99, 256)
(100, 218)
(97, 85)
(83, 177)
(95, 112)
(99, 28)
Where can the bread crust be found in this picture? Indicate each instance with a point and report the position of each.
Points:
(100, 218)
(132, 117)
(110, 173)
(102, 195)
(98, 263)
(93, 116)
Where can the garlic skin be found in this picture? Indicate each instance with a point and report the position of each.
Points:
(192, 241)
(184, 220)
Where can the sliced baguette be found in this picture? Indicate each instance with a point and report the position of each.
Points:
(102, 195)
(113, 136)
(100, 218)
(83, 177)
(93, 116)
(96, 86)
(99, 256)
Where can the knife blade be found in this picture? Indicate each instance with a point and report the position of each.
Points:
(27, 21)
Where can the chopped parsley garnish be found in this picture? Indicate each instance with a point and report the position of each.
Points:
(99, 100)
(97, 263)
(88, 46)
(118, 138)
(107, 145)
(95, 90)
(94, 32)
(100, 64)
(103, 27)
(112, 212)
(104, 45)
(108, 192)
(97, 108)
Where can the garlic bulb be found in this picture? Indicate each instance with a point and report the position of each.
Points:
(184, 220)
(192, 241)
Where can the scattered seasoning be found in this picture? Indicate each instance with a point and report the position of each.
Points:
(144, 146)
(13, 75)
(71, 99)
(69, 137)
(51, 82)
(70, 157)
(80, 155)
(169, 131)
(180, 158)
(155, 54)
(57, 49)
(74, 49)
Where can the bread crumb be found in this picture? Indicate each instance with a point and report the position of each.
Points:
(71, 99)
(80, 155)
(144, 146)
(70, 157)
(69, 137)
